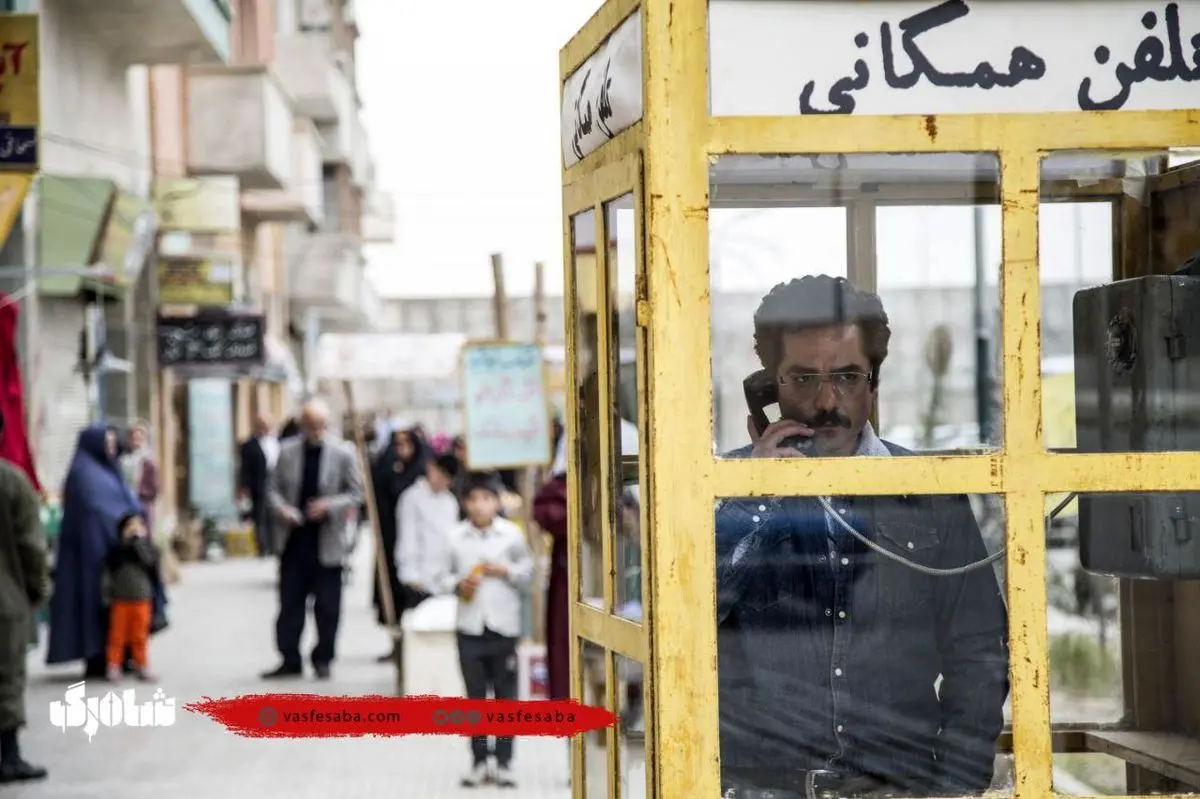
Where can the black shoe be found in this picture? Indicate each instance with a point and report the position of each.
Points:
(20, 771)
(321, 670)
(282, 672)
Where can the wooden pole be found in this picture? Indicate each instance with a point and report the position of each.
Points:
(499, 298)
(381, 572)
(533, 477)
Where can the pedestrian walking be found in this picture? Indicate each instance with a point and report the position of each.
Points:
(488, 566)
(315, 489)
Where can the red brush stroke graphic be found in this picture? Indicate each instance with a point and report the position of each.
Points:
(310, 716)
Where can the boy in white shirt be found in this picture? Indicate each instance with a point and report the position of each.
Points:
(425, 516)
(489, 567)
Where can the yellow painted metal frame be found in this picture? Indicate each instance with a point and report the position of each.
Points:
(618, 175)
(682, 479)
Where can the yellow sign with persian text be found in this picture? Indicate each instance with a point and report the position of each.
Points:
(20, 108)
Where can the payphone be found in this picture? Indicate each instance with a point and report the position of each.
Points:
(1137, 389)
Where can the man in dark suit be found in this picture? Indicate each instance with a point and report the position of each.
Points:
(258, 457)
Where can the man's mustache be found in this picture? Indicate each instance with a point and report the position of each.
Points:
(828, 419)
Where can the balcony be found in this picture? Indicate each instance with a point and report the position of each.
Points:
(326, 272)
(378, 218)
(303, 200)
(240, 123)
(154, 31)
(309, 72)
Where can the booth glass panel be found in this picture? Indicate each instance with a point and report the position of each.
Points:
(914, 235)
(587, 423)
(842, 657)
(595, 743)
(1121, 586)
(1120, 366)
(625, 368)
(631, 729)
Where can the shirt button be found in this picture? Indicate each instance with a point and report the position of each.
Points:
(841, 614)
(910, 544)
(822, 558)
(845, 561)
(837, 672)
(762, 507)
(842, 511)
(828, 612)
(840, 728)
(755, 519)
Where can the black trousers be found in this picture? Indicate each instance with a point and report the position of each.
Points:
(489, 661)
(301, 576)
(264, 535)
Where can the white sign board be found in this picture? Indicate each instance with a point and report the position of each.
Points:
(504, 399)
(604, 96)
(388, 356)
(775, 58)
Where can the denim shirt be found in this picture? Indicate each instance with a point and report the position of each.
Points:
(829, 653)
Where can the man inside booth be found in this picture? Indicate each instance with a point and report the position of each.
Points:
(844, 672)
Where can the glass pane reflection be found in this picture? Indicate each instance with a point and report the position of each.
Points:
(916, 237)
(591, 471)
(839, 663)
(595, 747)
(1124, 656)
(624, 369)
(631, 732)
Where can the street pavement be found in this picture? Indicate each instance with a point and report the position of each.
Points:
(220, 639)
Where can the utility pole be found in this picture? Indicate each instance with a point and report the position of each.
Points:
(499, 298)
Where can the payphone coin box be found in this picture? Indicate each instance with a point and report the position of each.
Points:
(1137, 389)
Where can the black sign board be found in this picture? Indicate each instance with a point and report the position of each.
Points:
(221, 340)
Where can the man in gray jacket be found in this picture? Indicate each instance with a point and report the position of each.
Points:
(314, 489)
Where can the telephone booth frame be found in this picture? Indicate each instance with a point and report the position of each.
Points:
(663, 159)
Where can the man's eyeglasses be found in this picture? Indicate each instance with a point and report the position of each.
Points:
(844, 383)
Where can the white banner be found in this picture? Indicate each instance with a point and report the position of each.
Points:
(776, 58)
(604, 96)
(388, 356)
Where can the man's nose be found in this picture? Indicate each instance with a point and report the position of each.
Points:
(826, 399)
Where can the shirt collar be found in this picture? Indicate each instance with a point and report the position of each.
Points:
(870, 444)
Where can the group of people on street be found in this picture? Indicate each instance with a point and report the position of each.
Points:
(105, 588)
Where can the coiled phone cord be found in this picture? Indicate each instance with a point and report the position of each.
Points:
(930, 570)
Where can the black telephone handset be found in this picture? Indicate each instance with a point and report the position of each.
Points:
(762, 391)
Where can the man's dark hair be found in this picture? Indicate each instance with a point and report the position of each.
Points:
(448, 464)
(820, 301)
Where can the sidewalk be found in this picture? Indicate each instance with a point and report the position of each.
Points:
(221, 637)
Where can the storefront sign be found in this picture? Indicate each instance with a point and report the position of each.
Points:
(775, 58)
(504, 404)
(19, 106)
(221, 340)
(604, 96)
(207, 282)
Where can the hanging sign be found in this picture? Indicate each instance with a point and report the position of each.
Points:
(20, 109)
(604, 96)
(221, 340)
(770, 58)
(507, 418)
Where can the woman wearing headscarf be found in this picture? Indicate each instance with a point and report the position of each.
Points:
(393, 472)
(96, 500)
(140, 470)
(550, 513)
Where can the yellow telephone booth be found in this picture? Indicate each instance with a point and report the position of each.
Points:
(881, 220)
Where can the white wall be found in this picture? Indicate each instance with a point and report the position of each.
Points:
(88, 121)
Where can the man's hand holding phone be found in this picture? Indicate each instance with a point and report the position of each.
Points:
(770, 443)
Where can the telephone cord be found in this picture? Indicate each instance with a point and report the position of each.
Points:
(920, 567)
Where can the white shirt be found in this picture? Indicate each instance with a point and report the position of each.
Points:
(270, 448)
(496, 604)
(424, 520)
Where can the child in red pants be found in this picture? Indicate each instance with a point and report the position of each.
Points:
(132, 565)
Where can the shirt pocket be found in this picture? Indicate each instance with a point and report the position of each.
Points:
(906, 594)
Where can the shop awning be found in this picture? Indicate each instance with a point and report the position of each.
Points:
(72, 213)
